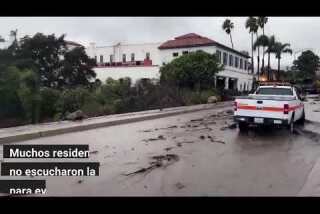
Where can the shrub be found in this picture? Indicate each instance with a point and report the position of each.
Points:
(49, 99)
(72, 100)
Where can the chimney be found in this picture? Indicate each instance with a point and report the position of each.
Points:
(92, 45)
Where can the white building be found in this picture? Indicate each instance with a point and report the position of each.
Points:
(7, 42)
(144, 60)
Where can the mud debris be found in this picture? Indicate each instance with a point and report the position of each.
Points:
(160, 137)
(218, 141)
(202, 137)
(158, 161)
(80, 181)
(168, 148)
(179, 144)
(147, 130)
(231, 126)
(172, 127)
(179, 185)
(197, 120)
(229, 112)
(93, 152)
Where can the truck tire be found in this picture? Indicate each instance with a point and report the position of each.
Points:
(243, 127)
(290, 126)
(302, 119)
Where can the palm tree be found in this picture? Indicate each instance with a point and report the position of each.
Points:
(261, 41)
(252, 25)
(227, 26)
(262, 20)
(280, 48)
(270, 49)
(14, 34)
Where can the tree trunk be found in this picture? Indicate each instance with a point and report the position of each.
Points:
(262, 67)
(278, 69)
(252, 69)
(258, 72)
(269, 77)
(231, 39)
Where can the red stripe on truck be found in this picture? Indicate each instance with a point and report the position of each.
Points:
(274, 109)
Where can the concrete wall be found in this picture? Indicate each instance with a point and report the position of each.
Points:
(139, 51)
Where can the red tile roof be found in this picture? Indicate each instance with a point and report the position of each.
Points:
(194, 40)
(187, 40)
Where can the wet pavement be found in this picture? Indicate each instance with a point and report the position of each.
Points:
(196, 154)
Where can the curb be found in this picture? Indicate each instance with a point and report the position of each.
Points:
(83, 127)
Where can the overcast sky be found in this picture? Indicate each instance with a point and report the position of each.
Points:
(301, 32)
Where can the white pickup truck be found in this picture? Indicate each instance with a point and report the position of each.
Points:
(271, 104)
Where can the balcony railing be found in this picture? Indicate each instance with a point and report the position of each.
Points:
(126, 64)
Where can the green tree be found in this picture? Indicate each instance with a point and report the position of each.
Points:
(227, 26)
(195, 70)
(42, 53)
(76, 69)
(56, 66)
(306, 65)
(10, 103)
(252, 25)
(30, 94)
(279, 49)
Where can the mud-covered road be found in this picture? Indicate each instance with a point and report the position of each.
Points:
(195, 154)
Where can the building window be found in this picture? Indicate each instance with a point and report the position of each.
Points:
(95, 58)
(225, 58)
(124, 59)
(184, 52)
(101, 58)
(175, 54)
(218, 53)
(132, 57)
(230, 60)
(148, 56)
(111, 58)
(245, 64)
(241, 64)
(236, 64)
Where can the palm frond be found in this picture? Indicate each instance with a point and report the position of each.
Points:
(287, 50)
(251, 24)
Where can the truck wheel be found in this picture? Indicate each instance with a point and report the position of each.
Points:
(243, 127)
(303, 118)
(291, 125)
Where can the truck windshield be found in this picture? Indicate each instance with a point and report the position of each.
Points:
(275, 91)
